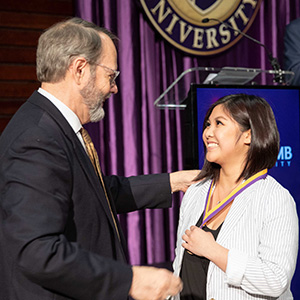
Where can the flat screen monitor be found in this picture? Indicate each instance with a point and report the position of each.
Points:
(285, 104)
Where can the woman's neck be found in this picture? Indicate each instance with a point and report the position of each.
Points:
(228, 181)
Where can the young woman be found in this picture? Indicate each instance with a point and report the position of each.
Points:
(238, 228)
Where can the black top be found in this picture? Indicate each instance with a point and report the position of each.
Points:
(194, 271)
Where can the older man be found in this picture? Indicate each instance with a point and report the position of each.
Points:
(59, 234)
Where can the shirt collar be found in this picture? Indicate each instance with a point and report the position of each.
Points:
(69, 115)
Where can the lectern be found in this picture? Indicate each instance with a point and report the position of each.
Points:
(175, 95)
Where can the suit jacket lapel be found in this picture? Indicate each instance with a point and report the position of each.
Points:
(45, 104)
(93, 177)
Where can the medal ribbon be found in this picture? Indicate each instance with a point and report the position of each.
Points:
(208, 214)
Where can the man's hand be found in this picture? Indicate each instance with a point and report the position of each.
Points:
(181, 180)
(149, 283)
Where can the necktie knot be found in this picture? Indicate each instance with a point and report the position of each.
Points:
(85, 135)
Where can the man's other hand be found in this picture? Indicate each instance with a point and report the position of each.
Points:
(149, 283)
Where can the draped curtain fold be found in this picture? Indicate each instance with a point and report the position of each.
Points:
(137, 138)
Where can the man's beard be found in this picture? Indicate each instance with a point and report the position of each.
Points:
(94, 100)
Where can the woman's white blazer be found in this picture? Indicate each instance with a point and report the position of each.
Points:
(261, 233)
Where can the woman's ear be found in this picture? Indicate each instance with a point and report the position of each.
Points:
(247, 137)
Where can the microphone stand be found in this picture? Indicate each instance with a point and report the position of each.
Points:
(278, 78)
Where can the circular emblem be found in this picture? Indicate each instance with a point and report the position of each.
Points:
(201, 27)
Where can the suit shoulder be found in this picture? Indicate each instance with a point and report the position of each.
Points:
(293, 27)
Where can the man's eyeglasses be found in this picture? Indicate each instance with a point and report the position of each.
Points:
(112, 77)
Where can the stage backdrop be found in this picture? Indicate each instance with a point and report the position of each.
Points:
(137, 138)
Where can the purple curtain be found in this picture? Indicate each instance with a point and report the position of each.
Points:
(137, 138)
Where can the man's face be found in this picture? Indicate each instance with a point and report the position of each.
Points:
(99, 86)
(94, 98)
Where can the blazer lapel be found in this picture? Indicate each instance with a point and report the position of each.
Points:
(45, 104)
(193, 210)
(97, 186)
(238, 208)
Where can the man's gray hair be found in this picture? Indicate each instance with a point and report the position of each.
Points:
(59, 45)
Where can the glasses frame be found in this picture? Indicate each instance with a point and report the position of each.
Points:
(112, 80)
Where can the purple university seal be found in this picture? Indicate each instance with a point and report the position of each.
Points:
(180, 22)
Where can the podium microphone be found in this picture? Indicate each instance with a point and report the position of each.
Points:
(273, 60)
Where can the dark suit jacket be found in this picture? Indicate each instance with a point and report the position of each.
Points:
(292, 50)
(57, 238)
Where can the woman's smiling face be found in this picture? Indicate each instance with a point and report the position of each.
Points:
(225, 143)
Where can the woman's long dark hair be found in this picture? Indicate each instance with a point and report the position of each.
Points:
(254, 113)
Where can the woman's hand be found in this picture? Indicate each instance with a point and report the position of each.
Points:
(202, 243)
(198, 241)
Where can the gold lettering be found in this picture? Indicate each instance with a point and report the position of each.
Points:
(225, 33)
(184, 34)
(198, 38)
(233, 24)
(211, 38)
(172, 24)
(241, 13)
(252, 2)
(161, 14)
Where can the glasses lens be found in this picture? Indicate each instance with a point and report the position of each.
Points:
(113, 79)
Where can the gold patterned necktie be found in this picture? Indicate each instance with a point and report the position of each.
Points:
(92, 153)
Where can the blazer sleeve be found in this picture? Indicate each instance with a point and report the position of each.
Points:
(270, 272)
(35, 202)
(139, 192)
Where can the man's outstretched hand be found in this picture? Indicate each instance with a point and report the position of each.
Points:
(181, 180)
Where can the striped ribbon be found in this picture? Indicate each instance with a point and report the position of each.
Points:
(208, 214)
